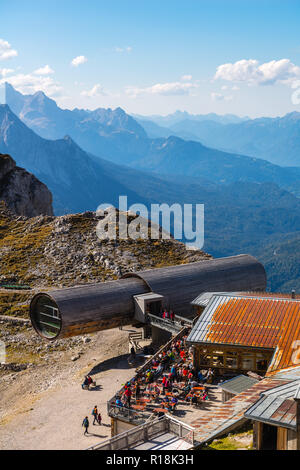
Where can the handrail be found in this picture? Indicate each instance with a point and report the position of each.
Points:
(161, 350)
(123, 434)
(174, 326)
(143, 436)
(170, 322)
(186, 320)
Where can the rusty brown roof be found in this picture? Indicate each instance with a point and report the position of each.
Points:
(253, 321)
(226, 415)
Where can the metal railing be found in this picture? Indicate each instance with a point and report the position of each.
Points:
(135, 338)
(164, 348)
(128, 414)
(143, 433)
(168, 325)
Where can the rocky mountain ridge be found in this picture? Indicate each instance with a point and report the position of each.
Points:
(65, 251)
(22, 192)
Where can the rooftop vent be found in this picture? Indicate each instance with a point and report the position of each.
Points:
(293, 294)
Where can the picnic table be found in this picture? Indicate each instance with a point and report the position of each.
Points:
(161, 410)
(138, 407)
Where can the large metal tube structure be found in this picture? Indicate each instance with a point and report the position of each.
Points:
(94, 307)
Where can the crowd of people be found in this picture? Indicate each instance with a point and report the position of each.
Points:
(171, 378)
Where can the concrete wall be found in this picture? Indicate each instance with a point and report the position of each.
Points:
(160, 336)
(118, 426)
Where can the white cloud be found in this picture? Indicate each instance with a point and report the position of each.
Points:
(250, 72)
(167, 89)
(31, 83)
(81, 59)
(6, 51)
(44, 71)
(220, 97)
(5, 72)
(123, 49)
(186, 78)
(97, 90)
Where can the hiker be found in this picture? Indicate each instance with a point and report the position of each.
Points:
(86, 424)
(172, 316)
(99, 418)
(95, 414)
(132, 351)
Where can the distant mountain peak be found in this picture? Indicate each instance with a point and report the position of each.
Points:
(41, 114)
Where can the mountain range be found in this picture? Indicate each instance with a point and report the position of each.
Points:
(117, 137)
(274, 139)
(247, 205)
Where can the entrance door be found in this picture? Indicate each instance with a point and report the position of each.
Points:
(154, 307)
(269, 437)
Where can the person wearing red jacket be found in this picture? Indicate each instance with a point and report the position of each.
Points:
(128, 394)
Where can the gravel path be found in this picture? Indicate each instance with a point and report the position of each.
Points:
(37, 416)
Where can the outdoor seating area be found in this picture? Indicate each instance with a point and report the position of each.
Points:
(167, 384)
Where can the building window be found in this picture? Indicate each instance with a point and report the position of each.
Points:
(232, 360)
(247, 362)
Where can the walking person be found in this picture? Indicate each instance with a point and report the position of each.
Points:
(95, 414)
(99, 418)
(86, 424)
(128, 394)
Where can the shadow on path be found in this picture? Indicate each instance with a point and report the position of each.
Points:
(119, 362)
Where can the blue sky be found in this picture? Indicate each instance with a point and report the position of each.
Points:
(155, 57)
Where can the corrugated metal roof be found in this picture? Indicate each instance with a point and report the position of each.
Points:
(291, 373)
(238, 384)
(276, 406)
(252, 321)
(274, 410)
(231, 413)
(203, 299)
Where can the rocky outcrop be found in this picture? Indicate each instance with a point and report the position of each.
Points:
(21, 191)
(66, 251)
